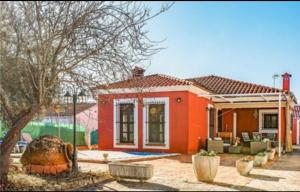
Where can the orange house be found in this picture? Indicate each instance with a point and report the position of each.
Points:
(296, 125)
(159, 113)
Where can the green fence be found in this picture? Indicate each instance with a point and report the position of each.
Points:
(64, 131)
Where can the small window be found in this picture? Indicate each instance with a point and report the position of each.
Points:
(270, 121)
(126, 123)
(156, 123)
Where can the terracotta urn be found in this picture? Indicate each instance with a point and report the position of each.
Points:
(244, 166)
(205, 167)
(47, 155)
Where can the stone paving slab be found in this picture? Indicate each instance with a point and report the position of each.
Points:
(176, 174)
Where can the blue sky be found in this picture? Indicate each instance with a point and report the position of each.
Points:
(248, 41)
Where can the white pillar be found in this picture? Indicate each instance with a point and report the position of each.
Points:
(279, 125)
(234, 124)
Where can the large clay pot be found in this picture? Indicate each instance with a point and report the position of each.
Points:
(48, 155)
(205, 167)
(244, 167)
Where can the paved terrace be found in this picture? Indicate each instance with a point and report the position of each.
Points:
(176, 173)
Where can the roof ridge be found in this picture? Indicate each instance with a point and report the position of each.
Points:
(176, 79)
(239, 81)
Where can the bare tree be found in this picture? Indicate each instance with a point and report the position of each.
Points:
(47, 45)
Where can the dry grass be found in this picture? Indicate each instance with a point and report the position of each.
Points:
(20, 181)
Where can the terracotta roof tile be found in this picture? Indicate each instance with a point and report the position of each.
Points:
(156, 80)
(221, 85)
(212, 83)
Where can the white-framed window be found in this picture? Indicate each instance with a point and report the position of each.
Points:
(268, 121)
(156, 123)
(125, 123)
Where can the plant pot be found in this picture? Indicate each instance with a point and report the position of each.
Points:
(205, 167)
(260, 160)
(120, 170)
(271, 154)
(105, 156)
(244, 167)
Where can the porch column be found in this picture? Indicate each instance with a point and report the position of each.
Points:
(234, 124)
(279, 125)
(288, 136)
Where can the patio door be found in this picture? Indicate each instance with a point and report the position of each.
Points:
(211, 122)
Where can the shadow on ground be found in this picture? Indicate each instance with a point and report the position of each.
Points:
(131, 185)
(146, 186)
(288, 162)
(97, 186)
(264, 177)
(236, 187)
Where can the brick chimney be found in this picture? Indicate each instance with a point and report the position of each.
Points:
(138, 72)
(286, 81)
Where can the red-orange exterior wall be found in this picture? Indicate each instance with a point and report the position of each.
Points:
(187, 121)
(198, 122)
(294, 131)
(246, 122)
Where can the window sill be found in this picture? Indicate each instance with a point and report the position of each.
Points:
(125, 144)
(268, 131)
(156, 144)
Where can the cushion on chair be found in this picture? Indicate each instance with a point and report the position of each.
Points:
(245, 137)
(257, 136)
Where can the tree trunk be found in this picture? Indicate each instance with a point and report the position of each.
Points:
(10, 141)
(4, 165)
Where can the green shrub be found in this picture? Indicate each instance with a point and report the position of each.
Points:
(206, 153)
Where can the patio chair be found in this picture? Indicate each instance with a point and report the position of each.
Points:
(256, 136)
(215, 145)
(227, 139)
(272, 138)
(22, 144)
(246, 139)
(255, 145)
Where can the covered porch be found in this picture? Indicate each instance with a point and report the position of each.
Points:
(268, 113)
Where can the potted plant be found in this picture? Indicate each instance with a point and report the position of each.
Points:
(244, 165)
(206, 165)
(260, 159)
(270, 153)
